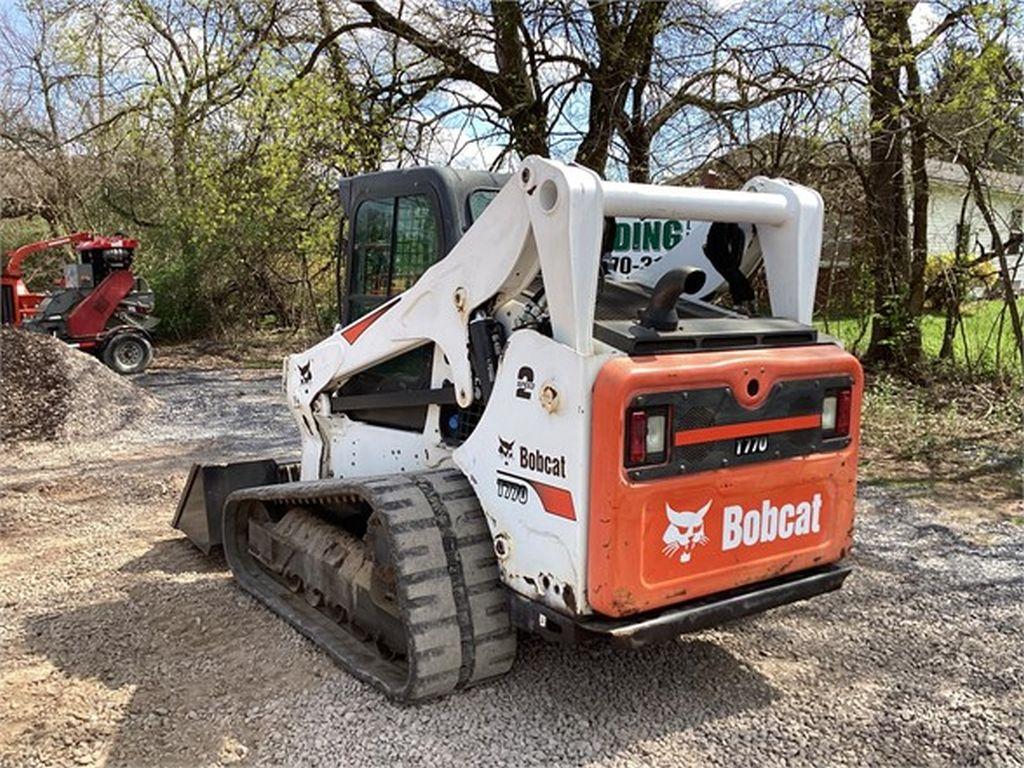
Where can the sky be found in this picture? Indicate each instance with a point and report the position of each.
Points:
(468, 141)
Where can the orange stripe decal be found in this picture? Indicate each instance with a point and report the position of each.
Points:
(354, 331)
(556, 501)
(747, 429)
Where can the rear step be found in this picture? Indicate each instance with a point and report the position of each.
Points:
(694, 616)
(413, 604)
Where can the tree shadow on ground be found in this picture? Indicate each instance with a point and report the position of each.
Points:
(202, 658)
(194, 657)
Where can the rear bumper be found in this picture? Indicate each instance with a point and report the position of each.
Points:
(667, 623)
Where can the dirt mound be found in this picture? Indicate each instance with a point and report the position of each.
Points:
(50, 391)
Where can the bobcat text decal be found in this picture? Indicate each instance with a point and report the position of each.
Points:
(754, 526)
(538, 461)
(532, 458)
(740, 527)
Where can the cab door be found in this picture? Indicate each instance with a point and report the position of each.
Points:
(392, 241)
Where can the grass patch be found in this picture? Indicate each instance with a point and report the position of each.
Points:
(979, 349)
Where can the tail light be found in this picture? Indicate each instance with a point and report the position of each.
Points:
(835, 413)
(636, 440)
(647, 436)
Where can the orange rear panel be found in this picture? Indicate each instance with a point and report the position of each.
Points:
(656, 542)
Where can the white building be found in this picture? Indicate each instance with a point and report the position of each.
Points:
(948, 187)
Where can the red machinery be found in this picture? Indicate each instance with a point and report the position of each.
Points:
(99, 306)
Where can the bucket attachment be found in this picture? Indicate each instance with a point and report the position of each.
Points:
(200, 508)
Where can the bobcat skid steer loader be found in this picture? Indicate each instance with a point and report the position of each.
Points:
(503, 438)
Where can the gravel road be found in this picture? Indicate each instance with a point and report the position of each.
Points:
(121, 645)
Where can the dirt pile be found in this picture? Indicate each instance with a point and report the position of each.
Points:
(50, 391)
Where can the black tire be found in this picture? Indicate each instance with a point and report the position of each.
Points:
(128, 353)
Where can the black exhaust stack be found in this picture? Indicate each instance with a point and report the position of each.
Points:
(660, 314)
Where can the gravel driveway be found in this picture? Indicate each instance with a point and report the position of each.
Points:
(121, 645)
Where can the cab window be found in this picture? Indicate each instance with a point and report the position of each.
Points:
(371, 248)
(416, 241)
(478, 200)
(394, 241)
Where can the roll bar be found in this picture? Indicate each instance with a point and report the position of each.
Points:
(694, 204)
(789, 218)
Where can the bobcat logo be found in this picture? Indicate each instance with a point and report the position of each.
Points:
(685, 531)
(505, 448)
(304, 373)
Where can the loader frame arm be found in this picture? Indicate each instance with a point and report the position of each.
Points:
(549, 218)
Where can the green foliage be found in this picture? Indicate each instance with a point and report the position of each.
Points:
(944, 270)
(984, 347)
(206, 147)
(977, 103)
(244, 235)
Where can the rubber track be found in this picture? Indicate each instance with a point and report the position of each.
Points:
(488, 637)
(450, 597)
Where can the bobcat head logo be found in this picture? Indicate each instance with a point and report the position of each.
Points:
(304, 373)
(685, 531)
(505, 448)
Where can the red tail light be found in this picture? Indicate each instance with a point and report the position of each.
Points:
(835, 413)
(844, 399)
(636, 438)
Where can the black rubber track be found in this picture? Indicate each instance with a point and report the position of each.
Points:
(451, 602)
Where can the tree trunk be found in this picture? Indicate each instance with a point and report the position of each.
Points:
(982, 202)
(954, 293)
(638, 153)
(607, 95)
(635, 131)
(517, 96)
(626, 45)
(895, 335)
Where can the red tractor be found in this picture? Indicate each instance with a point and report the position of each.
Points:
(99, 305)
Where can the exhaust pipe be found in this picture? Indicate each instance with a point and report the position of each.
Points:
(660, 314)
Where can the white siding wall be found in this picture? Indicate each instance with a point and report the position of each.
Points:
(944, 214)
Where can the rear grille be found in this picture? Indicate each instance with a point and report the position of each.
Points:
(716, 407)
(804, 404)
(696, 418)
(693, 454)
